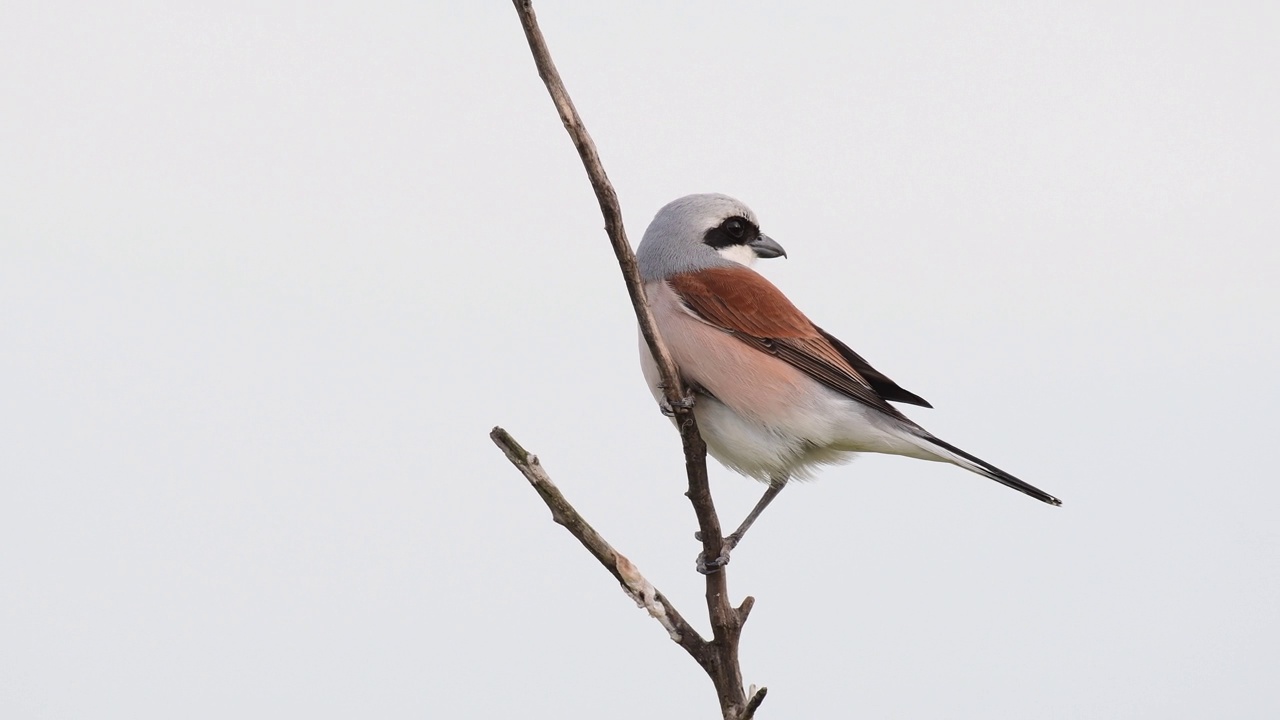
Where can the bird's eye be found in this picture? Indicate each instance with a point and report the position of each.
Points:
(734, 227)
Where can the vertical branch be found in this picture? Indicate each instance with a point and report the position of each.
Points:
(608, 199)
(721, 663)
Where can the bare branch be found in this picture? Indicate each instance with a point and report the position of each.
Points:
(633, 583)
(721, 662)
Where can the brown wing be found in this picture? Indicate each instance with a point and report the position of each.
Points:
(745, 304)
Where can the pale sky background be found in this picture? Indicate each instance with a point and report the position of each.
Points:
(269, 273)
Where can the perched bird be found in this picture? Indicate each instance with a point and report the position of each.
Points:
(775, 396)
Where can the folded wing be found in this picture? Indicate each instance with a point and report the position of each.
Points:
(745, 304)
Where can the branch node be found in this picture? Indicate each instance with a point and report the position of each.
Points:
(757, 697)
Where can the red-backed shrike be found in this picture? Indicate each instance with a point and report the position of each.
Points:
(776, 395)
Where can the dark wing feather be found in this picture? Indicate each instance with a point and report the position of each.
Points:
(888, 389)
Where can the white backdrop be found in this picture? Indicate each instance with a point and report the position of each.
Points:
(269, 272)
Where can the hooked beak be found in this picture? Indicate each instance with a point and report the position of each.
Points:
(765, 247)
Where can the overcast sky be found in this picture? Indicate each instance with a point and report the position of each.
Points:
(269, 273)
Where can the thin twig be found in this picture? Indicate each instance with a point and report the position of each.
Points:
(608, 199)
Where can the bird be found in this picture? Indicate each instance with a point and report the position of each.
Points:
(775, 396)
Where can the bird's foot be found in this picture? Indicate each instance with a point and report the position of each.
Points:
(714, 566)
(669, 409)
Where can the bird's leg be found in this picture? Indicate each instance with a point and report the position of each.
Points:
(775, 487)
(732, 539)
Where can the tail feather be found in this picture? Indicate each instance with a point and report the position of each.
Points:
(982, 467)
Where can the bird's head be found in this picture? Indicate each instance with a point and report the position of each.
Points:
(696, 232)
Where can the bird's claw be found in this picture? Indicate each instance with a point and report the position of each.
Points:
(669, 408)
(714, 566)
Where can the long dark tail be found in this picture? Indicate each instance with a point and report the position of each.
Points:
(986, 469)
